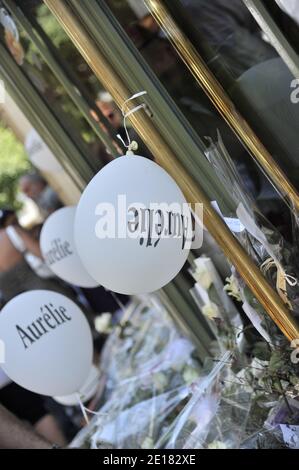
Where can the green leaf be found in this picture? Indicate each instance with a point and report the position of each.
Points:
(13, 163)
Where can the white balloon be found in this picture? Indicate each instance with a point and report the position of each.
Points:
(86, 392)
(39, 153)
(147, 260)
(59, 249)
(48, 343)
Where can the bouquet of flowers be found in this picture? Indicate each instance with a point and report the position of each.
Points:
(238, 404)
(266, 246)
(158, 395)
(149, 367)
(139, 425)
(215, 305)
(215, 416)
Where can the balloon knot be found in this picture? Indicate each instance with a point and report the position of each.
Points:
(132, 147)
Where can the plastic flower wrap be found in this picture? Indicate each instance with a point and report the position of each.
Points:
(280, 430)
(272, 374)
(265, 245)
(147, 341)
(283, 421)
(148, 367)
(239, 404)
(215, 304)
(137, 426)
(215, 416)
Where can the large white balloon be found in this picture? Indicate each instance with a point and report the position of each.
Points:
(86, 392)
(59, 250)
(40, 154)
(132, 226)
(48, 343)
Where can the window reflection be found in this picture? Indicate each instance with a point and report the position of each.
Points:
(102, 108)
(242, 58)
(53, 91)
(193, 102)
(250, 69)
(286, 15)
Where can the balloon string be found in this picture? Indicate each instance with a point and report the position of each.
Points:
(83, 409)
(119, 303)
(130, 145)
(116, 299)
(86, 410)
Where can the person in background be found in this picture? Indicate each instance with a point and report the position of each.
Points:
(111, 112)
(17, 276)
(36, 188)
(109, 109)
(18, 406)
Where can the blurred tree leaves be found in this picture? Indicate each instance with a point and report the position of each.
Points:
(13, 163)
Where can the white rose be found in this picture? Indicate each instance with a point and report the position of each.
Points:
(102, 323)
(232, 287)
(148, 443)
(203, 277)
(190, 375)
(210, 311)
(258, 367)
(160, 381)
(217, 445)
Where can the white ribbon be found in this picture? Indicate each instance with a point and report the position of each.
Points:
(87, 410)
(272, 262)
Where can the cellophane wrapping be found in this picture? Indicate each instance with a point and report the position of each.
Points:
(149, 367)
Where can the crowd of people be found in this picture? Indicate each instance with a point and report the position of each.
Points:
(28, 420)
(22, 268)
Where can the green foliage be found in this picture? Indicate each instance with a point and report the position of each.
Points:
(51, 26)
(13, 163)
(262, 351)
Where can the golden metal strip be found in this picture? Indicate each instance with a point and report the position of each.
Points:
(165, 156)
(221, 100)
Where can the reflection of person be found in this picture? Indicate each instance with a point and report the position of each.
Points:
(16, 435)
(109, 109)
(111, 112)
(36, 188)
(14, 46)
(202, 15)
(31, 408)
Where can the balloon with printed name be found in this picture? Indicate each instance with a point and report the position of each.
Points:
(59, 249)
(48, 343)
(133, 226)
